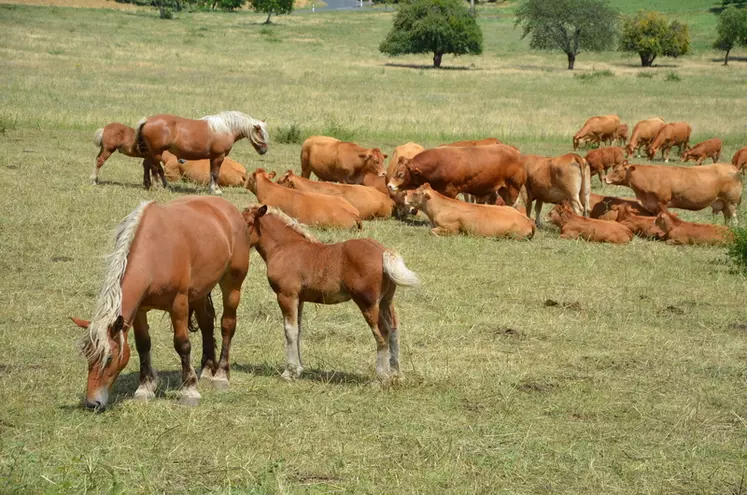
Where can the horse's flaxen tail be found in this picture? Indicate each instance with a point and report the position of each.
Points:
(98, 137)
(395, 269)
(138, 141)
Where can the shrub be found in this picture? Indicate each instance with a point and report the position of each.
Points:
(648, 34)
(647, 75)
(738, 250)
(289, 134)
(594, 75)
(672, 76)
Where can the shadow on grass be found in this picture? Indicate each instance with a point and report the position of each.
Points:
(172, 187)
(429, 67)
(311, 374)
(413, 222)
(731, 59)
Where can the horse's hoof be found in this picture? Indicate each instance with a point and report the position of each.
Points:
(217, 192)
(190, 400)
(206, 374)
(220, 383)
(94, 181)
(288, 376)
(142, 394)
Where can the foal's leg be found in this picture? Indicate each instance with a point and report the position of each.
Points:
(180, 321)
(388, 319)
(381, 335)
(230, 287)
(148, 378)
(146, 174)
(215, 164)
(205, 315)
(289, 305)
(103, 155)
(158, 170)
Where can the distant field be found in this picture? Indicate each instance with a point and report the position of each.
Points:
(546, 366)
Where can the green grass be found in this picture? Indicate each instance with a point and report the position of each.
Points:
(634, 382)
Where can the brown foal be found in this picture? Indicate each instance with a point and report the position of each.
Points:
(113, 137)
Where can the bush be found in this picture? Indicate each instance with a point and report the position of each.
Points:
(647, 75)
(672, 76)
(594, 75)
(288, 135)
(738, 250)
(648, 34)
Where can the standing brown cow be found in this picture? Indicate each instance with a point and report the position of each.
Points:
(555, 180)
(621, 134)
(707, 149)
(674, 134)
(597, 130)
(339, 161)
(602, 159)
(644, 132)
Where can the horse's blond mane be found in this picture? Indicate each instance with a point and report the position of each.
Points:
(95, 345)
(290, 222)
(232, 122)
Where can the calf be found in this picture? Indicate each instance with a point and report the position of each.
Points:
(231, 173)
(707, 149)
(641, 226)
(306, 207)
(555, 180)
(113, 137)
(678, 231)
(573, 226)
(407, 150)
(369, 202)
(334, 160)
(603, 207)
(597, 130)
(674, 134)
(621, 134)
(451, 216)
(739, 159)
(644, 132)
(601, 159)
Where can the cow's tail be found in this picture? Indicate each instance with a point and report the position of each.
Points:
(138, 141)
(98, 137)
(305, 164)
(395, 269)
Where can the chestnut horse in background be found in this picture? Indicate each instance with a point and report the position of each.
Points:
(302, 269)
(167, 257)
(113, 137)
(210, 137)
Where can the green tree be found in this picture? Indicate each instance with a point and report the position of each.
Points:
(649, 34)
(732, 30)
(433, 26)
(270, 7)
(568, 25)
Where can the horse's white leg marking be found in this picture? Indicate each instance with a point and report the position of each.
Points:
(190, 396)
(95, 172)
(147, 389)
(394, 349)
(382, 363)
(293, 367)
(214, 189)
(220, 379)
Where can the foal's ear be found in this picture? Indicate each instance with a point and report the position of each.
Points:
(80, 323)
(262, 210)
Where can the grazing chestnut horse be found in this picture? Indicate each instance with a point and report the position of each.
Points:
(167, 257)
(301, 269)
(211, 137)
(113, 137)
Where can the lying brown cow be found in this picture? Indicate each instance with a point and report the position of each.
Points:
(621, 134)
(451, 216)
(472, 142)
(573, 226)
(643, 226)
(232, 173)
(674, 134)
(644, 132)
(480, 170)
(710, 148)
(678, 231)
(601, 159)
(306, 207)
(113, 137)
(369, 202)
(659, 187)
(555, 180)
(334, 160)
(603, 207)
(597, 130)
(739, 159)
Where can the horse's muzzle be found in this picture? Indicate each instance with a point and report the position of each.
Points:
(95, 405)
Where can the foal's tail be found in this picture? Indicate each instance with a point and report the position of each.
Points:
(138, 142)
(98, 137)
(395, 269)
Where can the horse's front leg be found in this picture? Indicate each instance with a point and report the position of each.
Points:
(289, 305)
(180, 321)
(148, 377)
(215, 164)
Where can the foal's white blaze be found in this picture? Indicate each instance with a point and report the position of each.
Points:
(100, 396)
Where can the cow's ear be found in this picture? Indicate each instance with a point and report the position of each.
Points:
(625, 162)
(416, 171)
(271, 175)
(362, 155)
(427, 194)
(630, 168)
(262, 210)
(385, 155)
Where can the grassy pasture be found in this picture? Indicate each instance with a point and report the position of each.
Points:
(547, 366)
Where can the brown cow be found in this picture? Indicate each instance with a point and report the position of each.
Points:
(621, 134)
(603, 207)
(232, 173)
(659, 187)
(674, 134)
(369, 202)
(333, 160)
(644, 133)
(480, 170)
(451, 216)
(555, 180)
(306, 207)
(739, 159)
(472, 142)
(573, 226)
(597, 130)
(113, 137)
(710, 148)
(602, 159)
(678, 231)
(408, 150)
(643, 226)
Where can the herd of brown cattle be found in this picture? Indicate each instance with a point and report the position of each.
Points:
(492, 177)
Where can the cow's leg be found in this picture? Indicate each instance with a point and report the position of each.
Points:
(98, 163)
(289, 307)
(538, 213)
(716, 156)
(576, 205)
(215, 164)
(601, 177)
(438, 231)
(148, 378)
(730, 214)
(180, 320)
(665, 154)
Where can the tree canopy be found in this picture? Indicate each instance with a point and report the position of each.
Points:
(732, 30)
(568, 25)
(270, 7)
(649, 34)
(433, 26)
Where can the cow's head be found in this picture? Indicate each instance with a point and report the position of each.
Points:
(560, 214)
(418, 198)
(618, 174)
(402, 175)
(373, 161)
(666, 221)
(256, 176)
(576, 143)
(286, 179)
(651, 151)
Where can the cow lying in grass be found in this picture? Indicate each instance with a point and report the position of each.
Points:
(231, 173)
(574, 226)
(680, 232)
(451, 216)
(642, 226)
(603, 207)
(707, 149)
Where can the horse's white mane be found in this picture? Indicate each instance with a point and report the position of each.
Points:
(232, 122)
(96, 346)
(289, 222)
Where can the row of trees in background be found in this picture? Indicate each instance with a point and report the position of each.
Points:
(166, 7)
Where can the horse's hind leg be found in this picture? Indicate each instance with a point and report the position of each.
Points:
(215, 164)
(289, 305)
(148, 378)
(230, 287)
(180, 321)
(146, 173)
(388, 318)
(381, 335)
(205, 315)
(103, 155)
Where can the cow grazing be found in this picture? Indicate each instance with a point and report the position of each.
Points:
(113, 137)
(601, 159)
(408, 150)
(574, 226)
(710, 148)
(306, 207)
(451, 216)
(555, 180)
(659, 187)
(679, 232)
(603, 207)
(739, 159)
(674, 134)
(472, 142)
(621, 134)
(369, 202)
(644, 132)
(643, 226)
(480, 170)
(231, 173)
(597, 130)
(333, 160)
